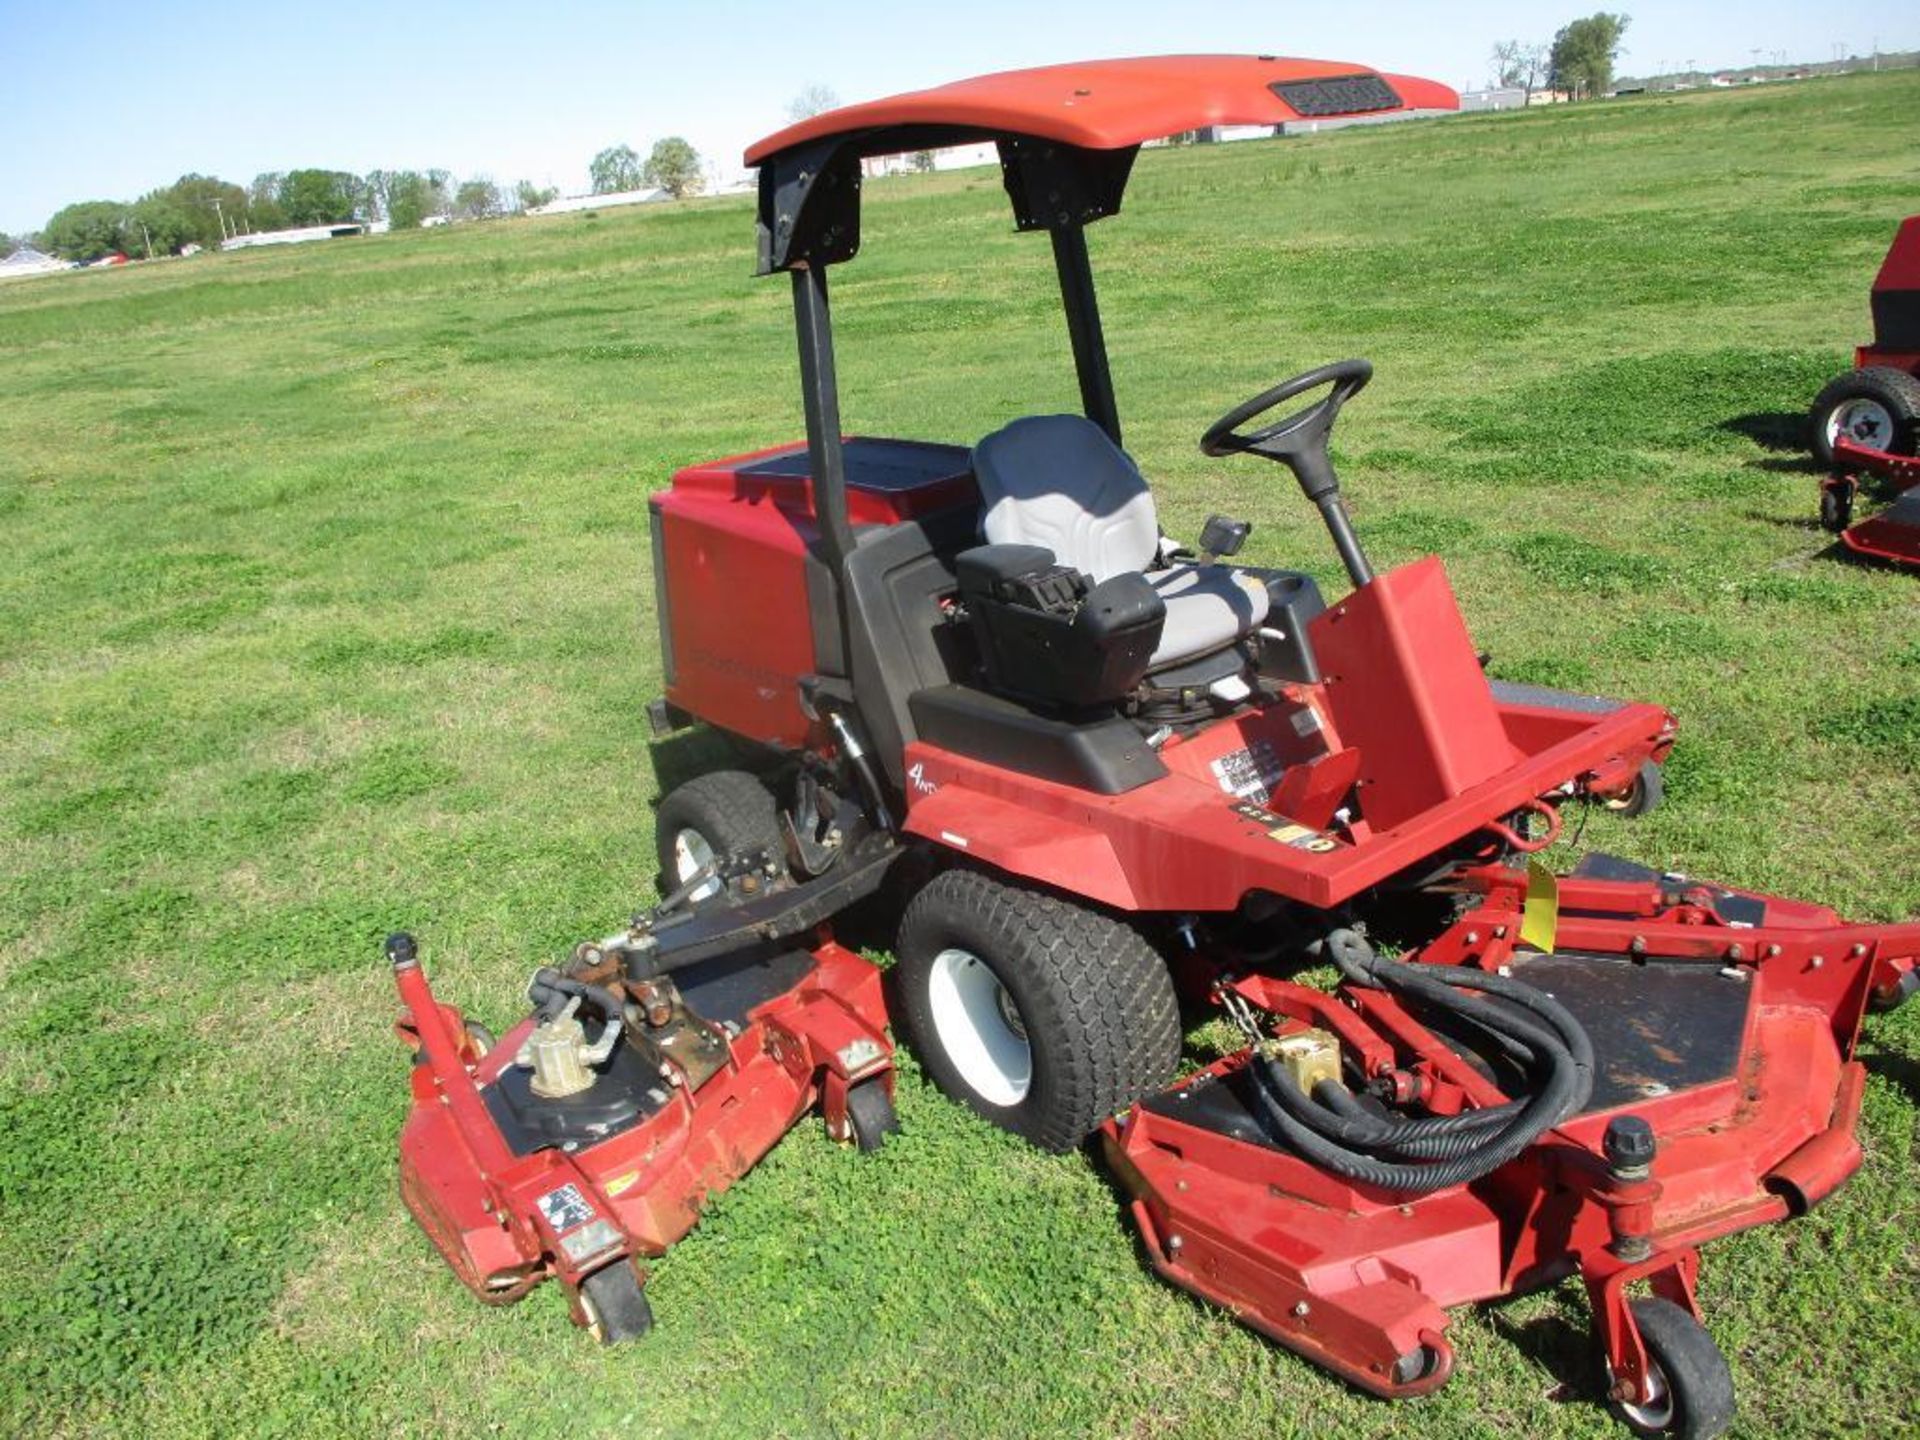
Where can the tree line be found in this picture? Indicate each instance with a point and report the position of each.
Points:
(205, 210)
(1578, 62)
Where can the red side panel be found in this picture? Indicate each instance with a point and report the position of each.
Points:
(731, 544)
(1406, 690)
(1896, 302)
(734, 621)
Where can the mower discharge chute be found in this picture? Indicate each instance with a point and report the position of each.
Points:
(1867, 421)
(1115, 768)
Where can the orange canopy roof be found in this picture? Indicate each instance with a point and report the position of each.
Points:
(1113, 104)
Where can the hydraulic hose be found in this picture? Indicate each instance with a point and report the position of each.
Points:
(549, 991)
(1335, 1131)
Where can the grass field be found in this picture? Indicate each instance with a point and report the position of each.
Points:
(327, 612)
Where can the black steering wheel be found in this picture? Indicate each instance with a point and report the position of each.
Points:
(1302, 433)
(1300, 443)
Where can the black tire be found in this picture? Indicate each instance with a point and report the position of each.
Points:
(1642, 797)
(728, 811)
(616, 1306)
(1696, 1396)
(870, 1112)
(1093, 1005)
(1892, 405)
(1836, 506)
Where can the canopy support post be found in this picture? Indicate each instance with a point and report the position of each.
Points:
(1083, 327)
(819, 392)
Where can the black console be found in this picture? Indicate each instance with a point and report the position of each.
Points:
(1046, 633)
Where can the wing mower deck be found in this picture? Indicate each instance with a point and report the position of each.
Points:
(1725, 1096)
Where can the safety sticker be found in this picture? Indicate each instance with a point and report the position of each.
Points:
(620, 1184)
(566, 1208)
(1303, 837)
(1249, 774)
(1287, 832)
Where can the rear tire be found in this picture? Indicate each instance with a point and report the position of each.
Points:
(1693, 1388)
(1878, 407)
(1042, 1016)
(710, 817)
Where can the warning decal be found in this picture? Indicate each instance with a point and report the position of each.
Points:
(566, 1208)
(1249, 774)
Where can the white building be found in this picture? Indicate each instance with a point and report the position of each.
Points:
(294, 237)
(569, 204)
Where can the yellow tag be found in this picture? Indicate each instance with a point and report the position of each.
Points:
(620, 1184)
(1541, 917)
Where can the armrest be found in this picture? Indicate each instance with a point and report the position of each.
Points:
(985, 569)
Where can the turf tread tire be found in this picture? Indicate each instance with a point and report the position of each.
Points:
(1895, 390)
(731, 809)
(1096, 1000)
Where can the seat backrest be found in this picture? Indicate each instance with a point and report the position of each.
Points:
(1059, 481)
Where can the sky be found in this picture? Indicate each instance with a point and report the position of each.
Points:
(106, 101)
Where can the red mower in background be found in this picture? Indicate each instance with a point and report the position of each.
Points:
(1106, 770)
(1867, 422)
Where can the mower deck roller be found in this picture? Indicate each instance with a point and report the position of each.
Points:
(1112, 764)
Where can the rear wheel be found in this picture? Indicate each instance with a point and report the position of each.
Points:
(1043, 1016)
(1691, 1388)
(1878, 407)
(709, 818)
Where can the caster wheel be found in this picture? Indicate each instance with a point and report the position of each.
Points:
(616, 1306)
(1892, 997)
(1691, 1388)
(1642, 797)
(870, 1112)
(1836, 508)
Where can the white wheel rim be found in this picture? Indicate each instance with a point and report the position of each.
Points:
(691, 855)
(1864, 422)
(1656, 1411)
(976, 1018)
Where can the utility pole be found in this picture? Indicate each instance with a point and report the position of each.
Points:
(221, 216)
(147, 235)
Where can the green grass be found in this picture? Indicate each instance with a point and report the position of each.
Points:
(325, 613)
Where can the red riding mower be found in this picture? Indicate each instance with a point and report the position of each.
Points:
(1109, 763)
(1867, 421)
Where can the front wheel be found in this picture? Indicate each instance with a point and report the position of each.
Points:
(1043, 1016)
(1691, 1388)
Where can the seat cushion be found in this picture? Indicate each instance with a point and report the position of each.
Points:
(1060, 482)
(1208, 606)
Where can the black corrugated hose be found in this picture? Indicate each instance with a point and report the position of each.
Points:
(1335, 1131)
